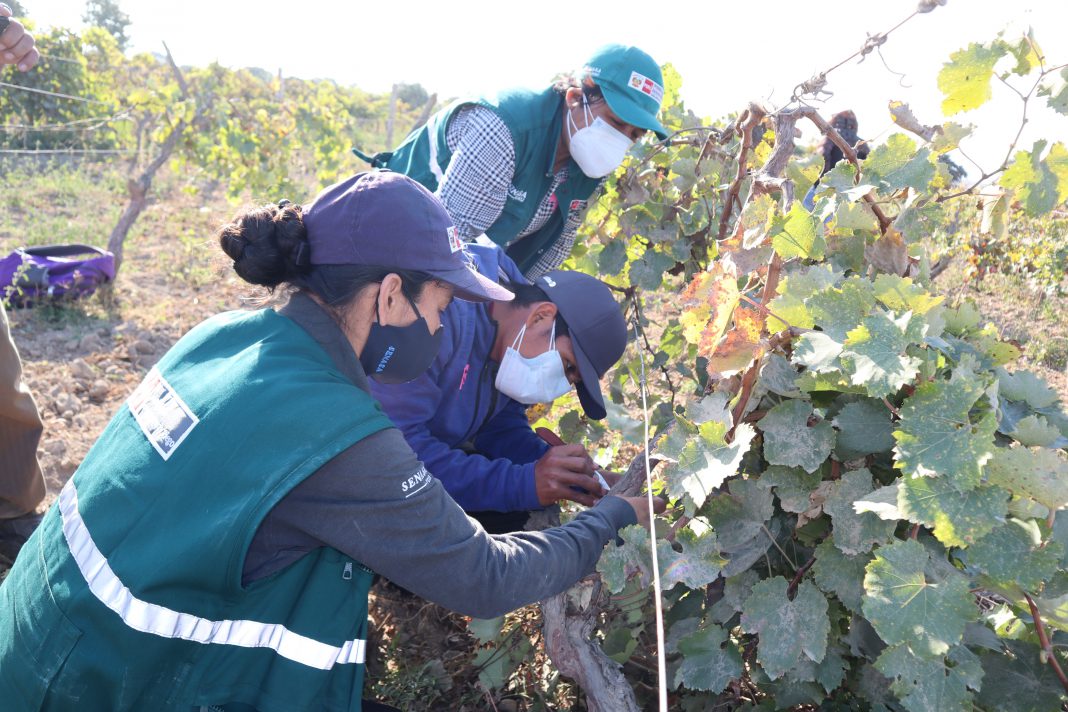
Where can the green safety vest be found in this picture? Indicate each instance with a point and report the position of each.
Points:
(129, 595)
(535, 121)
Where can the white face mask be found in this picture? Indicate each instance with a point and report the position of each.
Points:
(540, 379)
(598, 149)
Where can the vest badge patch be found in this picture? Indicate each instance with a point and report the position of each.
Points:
(519, 196)
(642, 83)
(161, 413)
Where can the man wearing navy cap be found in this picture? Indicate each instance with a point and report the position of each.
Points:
(518, 169)
(466, 416)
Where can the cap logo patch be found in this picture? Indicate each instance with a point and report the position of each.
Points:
(549, 281)
(642, 83)
(592, 71)
(455, 243)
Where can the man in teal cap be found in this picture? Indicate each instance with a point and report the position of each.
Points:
(518, 169)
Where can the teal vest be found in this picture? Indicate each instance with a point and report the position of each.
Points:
(535, 121)
(129, 595)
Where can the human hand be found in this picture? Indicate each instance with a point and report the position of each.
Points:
(641, 508)
(562, 469)
(16, 44)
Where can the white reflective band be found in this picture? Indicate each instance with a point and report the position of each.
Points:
(432, 130)
(157, 620)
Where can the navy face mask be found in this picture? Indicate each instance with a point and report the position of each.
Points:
(398, 354)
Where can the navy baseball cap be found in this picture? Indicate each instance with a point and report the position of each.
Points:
(597, 328)
(386, 219)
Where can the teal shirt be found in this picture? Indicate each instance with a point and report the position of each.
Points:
(535, 121)
(129, 595)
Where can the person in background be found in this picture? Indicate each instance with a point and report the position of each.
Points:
(22, 486)
(845, 123)
(215, 547)
(466, 416)
(518, 169)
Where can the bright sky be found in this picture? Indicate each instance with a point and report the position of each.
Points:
(727, 53)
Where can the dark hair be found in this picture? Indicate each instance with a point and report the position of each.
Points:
(269, 247)
(529, 294)
(591, 91)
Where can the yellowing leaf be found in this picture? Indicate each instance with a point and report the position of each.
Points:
(965, 79)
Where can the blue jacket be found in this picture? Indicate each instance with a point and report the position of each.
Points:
(456, 402)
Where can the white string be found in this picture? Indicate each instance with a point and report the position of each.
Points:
(55, 94)
(661, 665)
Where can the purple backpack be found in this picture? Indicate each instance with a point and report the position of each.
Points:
(32, 274)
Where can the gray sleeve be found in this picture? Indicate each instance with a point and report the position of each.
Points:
(378, 504)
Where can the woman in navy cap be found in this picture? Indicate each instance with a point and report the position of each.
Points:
(215, 548)
(521, 166)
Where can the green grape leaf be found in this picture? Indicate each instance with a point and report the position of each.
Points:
(705, 459)
(619, 563)
(1011, 554)
(900, 294)
(817, 352)
(965, 79)
(788, 439)
(962, 319)
(779, 377)
(698, 564)
(864, 427)
(841, 575)
(882, 503)
(613, 258)
(898, 164)
(1027, 387)
(741, 513)
(958, 517)
(1035, 431)
(1019, 682)
(876, 352)
(837, 311)
(905, 606)
(840, 179)
(798, 234)
(936, 436)
(648, 271)
(1038, 473)
(925, 685)
(710, 661)
(741, 520)
(793, 486)
(794, 289)
(855, 216)
(1035, 184)
(788, 630)
(951, 136)
(1056, 89)
(855, 532)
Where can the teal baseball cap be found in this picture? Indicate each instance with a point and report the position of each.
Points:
(632, 85)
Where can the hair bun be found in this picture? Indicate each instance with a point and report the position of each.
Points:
(269, 245)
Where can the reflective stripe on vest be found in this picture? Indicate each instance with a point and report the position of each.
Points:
(158, 620)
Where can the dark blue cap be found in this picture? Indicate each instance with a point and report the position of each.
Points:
(386, 219)
(597, 328)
